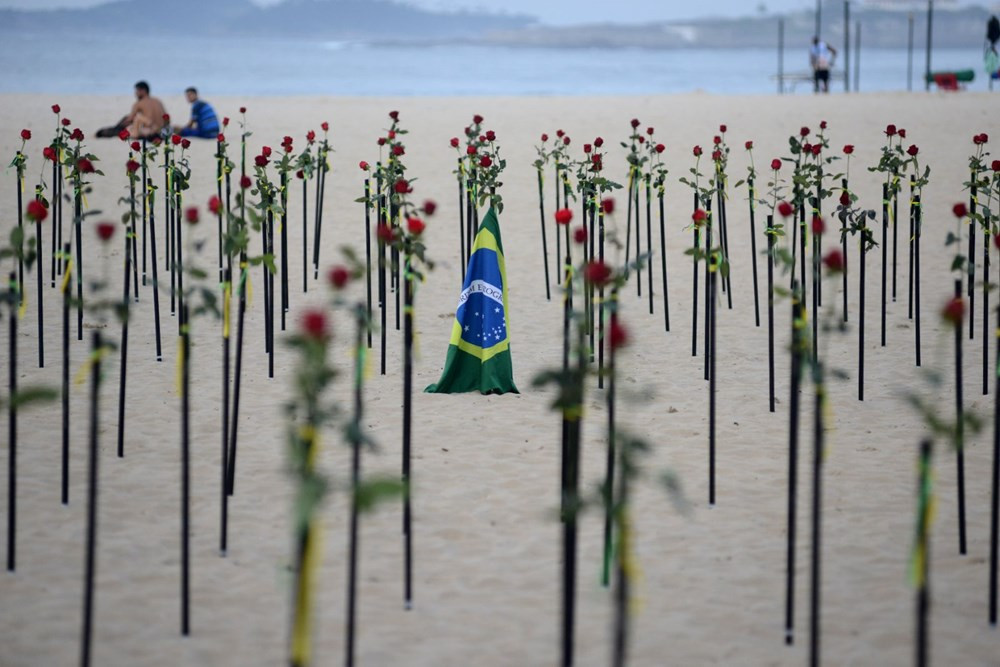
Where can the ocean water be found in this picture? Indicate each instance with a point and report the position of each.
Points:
(229, 66)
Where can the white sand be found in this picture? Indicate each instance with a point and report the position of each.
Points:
(487, 545)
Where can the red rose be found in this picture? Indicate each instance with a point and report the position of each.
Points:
(265, 151)
(287, 140)
(191, 214)
(834, 261)
(105, 230)
(890, 130)
(175, 139)
(716, 156)
(545, 138)
(338, 277)
(597, 272)
(65, 122)
(818, 226)
(325, 126)
(641, 139)
(401, 186)
(136, 146)
(565, 141)
(185, 143)
(586, 148)
(960, 210)
(123, 135)
(807, 147)
(394, 115)
(477, 119)
(260, 161)
(300, 174)
(748, 145)
(454, 141)
(77, 134)
(608, 205)
(560, 133)
(954, 311)
(391, 134)
(580, 235)
(221, 138)
(617, 335)
(36, 211)
(243, 109)
(415, 226)
(776, 164)
(699, 216)
(132, 166)
(902, 133)
(660, 148)
(26, 134)
(996, 165)
(491, 135)
(485, 161)
(563, 216)
(785, 209)
(214, 204)
(912, 150)
(804, 132)
(822, 125)
(649, 131)
(398, 150)
(598, 142)
(429, 207)
(848, 149)
(85, 166)
(49, 153)
(363, 166)
(225, 122)
(845, 198)
(716, 140)
(984, 138)
(723, 128)
(697, 151)
(245, 182)
(311, 136)
(384, 233)
(817, 148)
(314, 325)
(166, 118)
(470, 150)
(635, 123)
(996, 240)
(56, 108)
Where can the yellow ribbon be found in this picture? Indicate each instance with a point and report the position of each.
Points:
(226, 298)
(302, 625)
(94, 357)
(67, 272)
(24, 303)
(178, 380)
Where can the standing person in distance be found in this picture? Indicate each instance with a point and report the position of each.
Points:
(821, 56)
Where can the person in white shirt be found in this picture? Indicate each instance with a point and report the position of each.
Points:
(821, 57)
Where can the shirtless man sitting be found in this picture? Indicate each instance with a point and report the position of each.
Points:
(146, 118)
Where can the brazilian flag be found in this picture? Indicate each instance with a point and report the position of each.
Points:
(479, 353)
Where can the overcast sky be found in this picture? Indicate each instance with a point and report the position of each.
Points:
(565, 11)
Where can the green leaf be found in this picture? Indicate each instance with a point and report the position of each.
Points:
(371, 492)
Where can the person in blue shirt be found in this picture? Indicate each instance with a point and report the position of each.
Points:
(821, 57)
(204, 123)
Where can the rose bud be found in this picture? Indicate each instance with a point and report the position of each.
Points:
(214, 204)
(477, 119)
(485, 161)
(454, 142)
(890, 130)
(597, 272)
(996, 165)
(136, 146)
(608, 205)
(123, 135)
(300, 174)
(287, 140)
(166, 118)
(617, 335)
(807, 147)
(175, 139)
(804, 132)
(77, 134)
(716, 140)
(391, 134)
(243, 109)
(912, 150)
(26, 134)
(818, 226)
(699, 216)
(566, 141)
(49, 153)
(221, 138)
(723, 128)
(245, 182)
(394, 115)
(635, 123)
(265, 151)
(191, 214)
(401, 186)
(834, 261)
(384, 233)
(85, 166)
(845, 198)
(660, 148)
(817, 148)
(105, 230)
(984, 138)
(185, 143)
(545, 137)
(716, 156)
(311, 136)
(563, 216)
(959, 210)
(429, 207)
(901, 133)
(641, 139)
(580, 235)
(415, 226)
(225, 122)
(363, 166)
(65, 122)
(491, 135)
(996, 241)
(313, 325)
(748, 145)
(848, 149)
(776, 164)
(36, 211)
(560, 133)
(398, 150)
(822, 125)
(586, 148)
(260, 161)
(470, 150)
(56, 108)
(132, 166)
(785, 209)
(598, 142)
(954, 311)
(338, 277)
(697, 151)
(325, 126)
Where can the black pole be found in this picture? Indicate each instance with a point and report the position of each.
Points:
(707, 343)
(123, 359)
(319, 216)
(753, 254)
(885, 252)
(407, 288)
(227, 296)
(663, 262)
(793, 452)
(38, 247)
(90, 556)
(895, 229)
(995, 491)
(817, 513)
(284, 248)
(383, 291)
(461, 218)
(56, 226)
(145, 213)
(986, 310)
(909, 52)
(912, 219)
(156, 281)
(65, 382)
(960, 424)
(863, 251)
(649, 242)
(237, 376)
(843, 248)
(571, 509)
(924, 545)
(305, 234)
(971, 282)
(601, 342)
(12, 423)
(78, 226)
(185, 472)
(713, 260)
(917, 224)
(638, 239)
(847, 46)
(770, 310)
(368, 256)
(545, 245)
(609, 466)
(352, 568)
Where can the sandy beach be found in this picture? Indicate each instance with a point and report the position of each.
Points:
(486, 468)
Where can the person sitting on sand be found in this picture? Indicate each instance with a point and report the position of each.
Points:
(821, 57)
(145, 121)
(204, 123)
